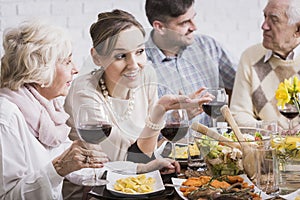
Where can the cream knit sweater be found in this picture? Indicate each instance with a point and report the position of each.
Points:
(255, 84)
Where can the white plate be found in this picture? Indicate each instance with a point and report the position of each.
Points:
(113, 177)
(256, 189)
(77, 177)
(292, 195)
(121, 166)
(178, 181)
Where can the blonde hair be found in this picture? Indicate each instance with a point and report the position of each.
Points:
(31, 51)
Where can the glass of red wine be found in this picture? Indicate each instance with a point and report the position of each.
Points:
(212, 108)
(93, 127)
(176, 127)
(290, 111)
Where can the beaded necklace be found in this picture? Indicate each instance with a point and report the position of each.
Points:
(131, 102)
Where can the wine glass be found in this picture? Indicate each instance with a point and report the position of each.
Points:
(93, 127)
(176, 127)
(290, 111)
(212, 108)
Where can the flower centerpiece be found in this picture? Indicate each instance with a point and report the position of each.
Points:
(288, 92)
(287, 96)
(287, 145)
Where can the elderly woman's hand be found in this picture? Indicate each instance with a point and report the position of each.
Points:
(164, 165)
(79, 155)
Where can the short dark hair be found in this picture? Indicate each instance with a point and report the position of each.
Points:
(161, 10)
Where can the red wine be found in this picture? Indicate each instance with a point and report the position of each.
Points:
(94, 133)
(289, 114)
(174, 132)
(213, 108)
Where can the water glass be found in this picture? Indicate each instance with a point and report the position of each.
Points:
(270, 125)
(265, 178)
(287, 162)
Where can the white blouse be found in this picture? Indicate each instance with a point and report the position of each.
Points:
(85, 90)
(26, 165)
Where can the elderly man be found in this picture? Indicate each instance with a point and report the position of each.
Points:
(262, 67)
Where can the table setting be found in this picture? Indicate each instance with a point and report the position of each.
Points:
(162, 191)
(264, 161)
(109, 191)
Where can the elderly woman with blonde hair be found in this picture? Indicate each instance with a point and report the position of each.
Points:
(35, 153)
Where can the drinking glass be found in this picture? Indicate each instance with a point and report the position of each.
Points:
(290, 111)
(286, 162)
(270, 125)
(176, 127)
(93, 127)
(212, 108)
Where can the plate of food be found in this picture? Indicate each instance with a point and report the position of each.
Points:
(140, 185)
(224, 187)
(181, 151)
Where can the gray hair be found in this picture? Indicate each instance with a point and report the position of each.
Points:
(293, 11)
(31, 51)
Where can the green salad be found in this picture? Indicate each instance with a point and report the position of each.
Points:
(221, 159)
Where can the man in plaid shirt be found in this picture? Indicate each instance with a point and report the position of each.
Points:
(185, 62)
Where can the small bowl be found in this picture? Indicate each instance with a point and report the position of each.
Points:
(224, 160)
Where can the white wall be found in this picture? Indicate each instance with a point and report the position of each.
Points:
(234, 23)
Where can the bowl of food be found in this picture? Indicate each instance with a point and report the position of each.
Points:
(135, 186)
(228, 156)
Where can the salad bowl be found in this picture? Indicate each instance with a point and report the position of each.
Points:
(225, 157)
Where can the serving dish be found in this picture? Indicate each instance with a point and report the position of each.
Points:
(101, 192)
(294, 195)
(112, 177)
(177, 181)
(181, 152)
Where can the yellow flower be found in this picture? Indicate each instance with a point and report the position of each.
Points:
(296, 84)
(282, 94)
(288, 91)
(289, 85)
(292, 143)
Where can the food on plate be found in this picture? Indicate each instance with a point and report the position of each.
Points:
(223, 187)
(219, 184)
(135, 184)
(193, 173)
(194, 150)
(197, 181)
(181, 151)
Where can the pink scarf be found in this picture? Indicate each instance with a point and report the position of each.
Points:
(46, 118)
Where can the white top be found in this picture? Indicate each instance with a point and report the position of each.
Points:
(26, 165)
(85, 90)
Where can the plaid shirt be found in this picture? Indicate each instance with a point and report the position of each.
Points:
(204, 63)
